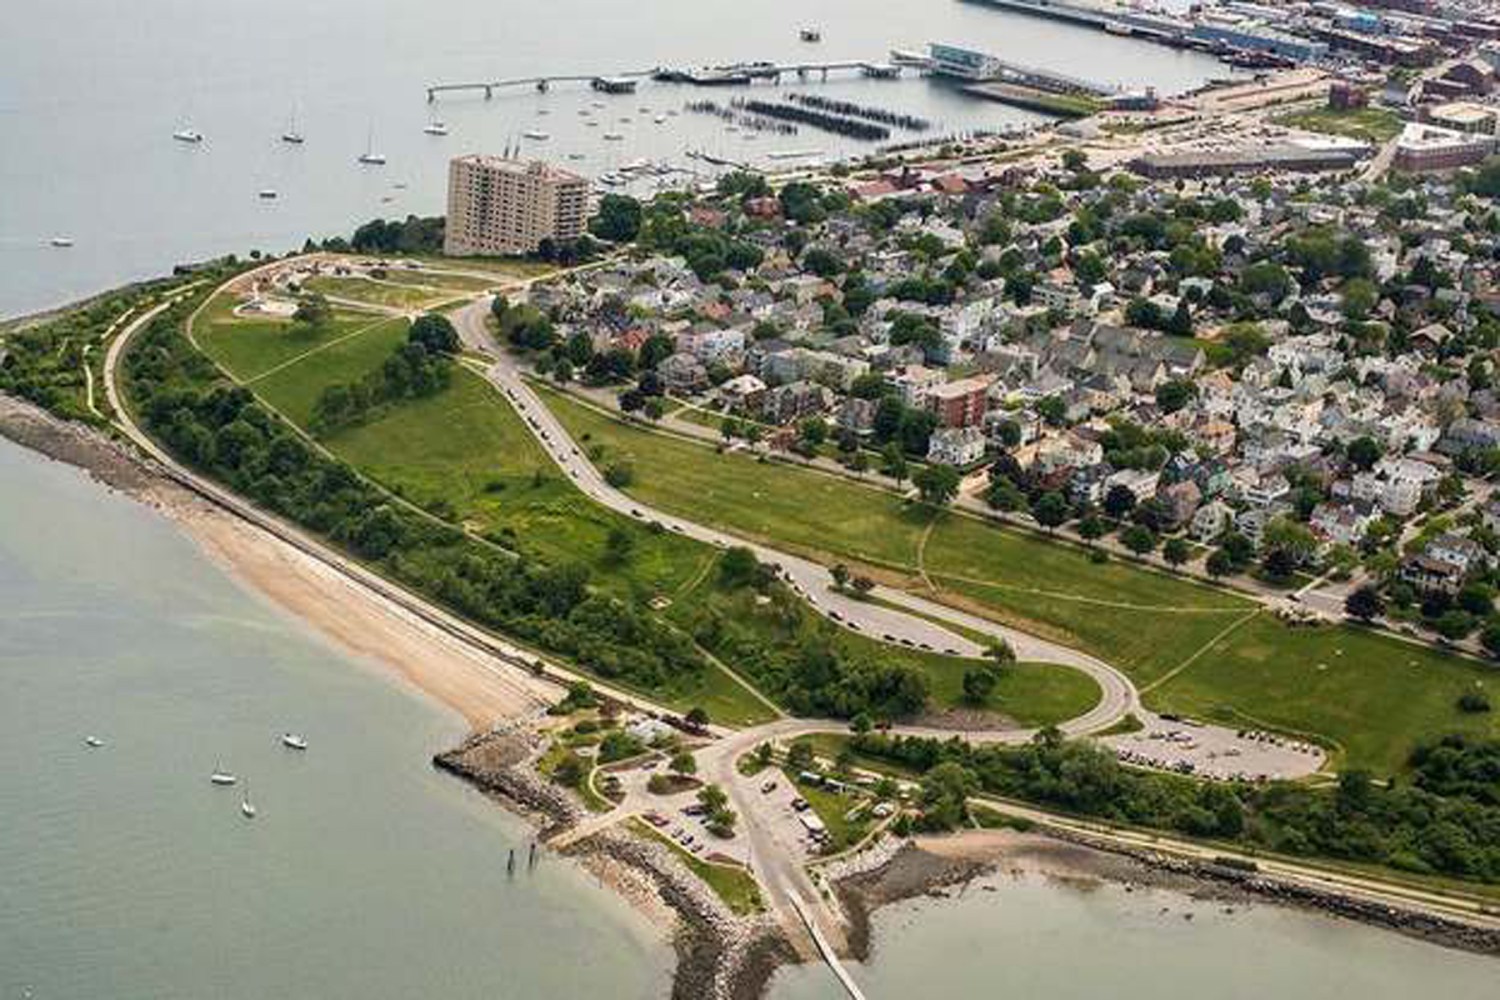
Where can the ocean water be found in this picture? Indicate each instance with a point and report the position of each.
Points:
(92, 90)
(125, 874)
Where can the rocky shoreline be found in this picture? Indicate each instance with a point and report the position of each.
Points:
(720, 956)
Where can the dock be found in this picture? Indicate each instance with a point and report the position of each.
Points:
(736, 75)
(826, 950)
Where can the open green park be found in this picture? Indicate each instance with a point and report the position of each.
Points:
(464, 455)
(1365, 124)
(1193, 649)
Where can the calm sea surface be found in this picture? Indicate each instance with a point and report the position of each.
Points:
(123, 872)
(91, 91)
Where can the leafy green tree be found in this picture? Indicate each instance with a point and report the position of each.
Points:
(1176, 551)
(937, 484)
(979, 683)
(1364, 603)
(618, 219)
(1050, 510)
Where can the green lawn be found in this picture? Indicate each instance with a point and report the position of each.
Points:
(1373, 125)
(250, 347)
(294, 388)
(394, 295)
(1147, 623)
(1355, 687)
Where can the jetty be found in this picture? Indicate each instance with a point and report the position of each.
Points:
(737, 74)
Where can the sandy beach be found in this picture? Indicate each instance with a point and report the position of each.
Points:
(479, 688)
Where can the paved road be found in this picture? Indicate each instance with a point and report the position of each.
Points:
(913, 627)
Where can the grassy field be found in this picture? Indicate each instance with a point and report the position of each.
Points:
(395, 295)
(1366, 124)
(1192, 648)
(250, 347)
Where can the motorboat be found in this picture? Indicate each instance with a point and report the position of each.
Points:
(222, 777)
(188, 135)
(247, 808)
(536, 134)
(613, 136)
(93, 742)
(660, 119)
(810, 35)
(293, 742)
(62, 241)
(435, 128)
(267, 194)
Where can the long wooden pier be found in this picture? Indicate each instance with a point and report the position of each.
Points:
(738, 75)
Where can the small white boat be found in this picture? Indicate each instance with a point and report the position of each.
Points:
(536, 134)
(61, 241)
(597, 104)
(659, 119)
(435, 128)
(188, 135)
(293, 741)
(575, 156)
(293, 138)
(93, 742)
(591, 123)
(222, 777)
(247, 808)
(543, 111)
(267, 194)
(624, 121)
(613, 136)
(369, 156)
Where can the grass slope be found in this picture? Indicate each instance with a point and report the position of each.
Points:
(1155, 627)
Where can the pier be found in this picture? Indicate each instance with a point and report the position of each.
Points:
(740, 74)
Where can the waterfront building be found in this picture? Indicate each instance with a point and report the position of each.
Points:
(501, 205)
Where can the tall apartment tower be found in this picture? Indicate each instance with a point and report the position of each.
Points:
(498, 205)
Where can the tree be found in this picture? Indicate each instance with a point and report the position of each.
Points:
(618, 219)
(1091, 528)
(683, 763)
(1138, 538)
(1050, 510)
(1363, 452)
(1219, 563)
(1119, 501)
(739, 568)
(617, 545)
(1173, 395)
(799, 756)
(937, 484)
(1000, 653)
(1490, 639)
(435, 333)
(945, 795)
(979, 684)
(1364, 603)
(840, 574)
(1176, 552)
(893, 462)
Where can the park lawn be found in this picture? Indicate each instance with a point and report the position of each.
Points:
(249, 347)
(966, 547)
(1373, 125)
(294, 389)
(731, 883)
(1145, 644)
(440, 282)
(376, 292)
(814, 513)
(1373, 696)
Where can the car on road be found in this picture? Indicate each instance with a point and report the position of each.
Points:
(768, 787)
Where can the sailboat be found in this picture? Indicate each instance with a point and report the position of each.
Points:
(247, 808)
(292, 134)
(369, 156)
(293, 742)
(435, 127)
(222, 777)
(188, 134)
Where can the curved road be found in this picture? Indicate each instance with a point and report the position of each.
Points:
(914, 627)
